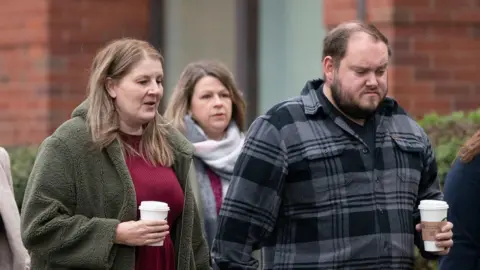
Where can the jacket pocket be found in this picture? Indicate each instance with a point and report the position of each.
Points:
(408, 153)
(325, 167)
(316, 179)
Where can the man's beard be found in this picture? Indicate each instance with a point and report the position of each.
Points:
(347, 104)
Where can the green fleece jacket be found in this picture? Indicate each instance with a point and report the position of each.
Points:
(77, 195)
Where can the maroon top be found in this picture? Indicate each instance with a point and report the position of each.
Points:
(216, 184)
(155, 183)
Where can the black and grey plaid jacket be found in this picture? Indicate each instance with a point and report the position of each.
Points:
(307, 189)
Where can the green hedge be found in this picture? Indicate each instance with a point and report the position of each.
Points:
(22, 159)
(447, 134)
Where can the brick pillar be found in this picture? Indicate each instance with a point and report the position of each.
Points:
(23, 76)
(46, 48)
(435, 50)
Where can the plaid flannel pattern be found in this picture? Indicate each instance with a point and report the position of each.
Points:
(306, 189)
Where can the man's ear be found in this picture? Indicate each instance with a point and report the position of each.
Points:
(328, 68)
(111, 87)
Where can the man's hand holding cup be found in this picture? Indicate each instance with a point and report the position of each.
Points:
(436, 230)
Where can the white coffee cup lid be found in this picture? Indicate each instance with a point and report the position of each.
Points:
(153, 206)
(432, 205)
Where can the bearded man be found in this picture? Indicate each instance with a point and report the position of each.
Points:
(332, 179)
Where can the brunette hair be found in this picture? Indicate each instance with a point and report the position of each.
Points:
(336, 41)
(470, 149)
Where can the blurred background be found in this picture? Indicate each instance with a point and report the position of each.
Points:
(272, 47)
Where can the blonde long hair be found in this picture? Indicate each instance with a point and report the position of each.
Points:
(114, 61)
(180, 101)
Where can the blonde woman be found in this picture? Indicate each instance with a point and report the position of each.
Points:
(208, 108)
(13, 255)
(80, 206)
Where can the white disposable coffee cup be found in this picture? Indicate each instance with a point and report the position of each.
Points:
(433, 214)
(153, 210)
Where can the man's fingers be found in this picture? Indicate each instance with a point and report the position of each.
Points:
(444, 244)
(447, 227)
(444, 236)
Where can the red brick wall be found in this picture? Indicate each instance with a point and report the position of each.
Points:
(46, 47)
(23, 76)
(435, 46)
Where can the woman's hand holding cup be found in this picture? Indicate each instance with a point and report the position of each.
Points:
(142, 232)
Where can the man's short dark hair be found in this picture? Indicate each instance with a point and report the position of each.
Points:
(336, 41)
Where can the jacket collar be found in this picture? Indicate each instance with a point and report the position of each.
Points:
(180, 145)
(312, 104)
